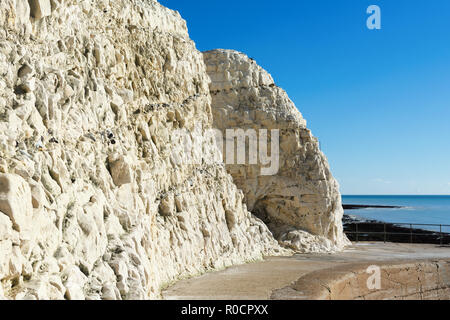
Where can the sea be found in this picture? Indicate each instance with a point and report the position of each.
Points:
(415, 210)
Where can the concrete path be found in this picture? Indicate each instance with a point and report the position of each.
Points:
(257, 281)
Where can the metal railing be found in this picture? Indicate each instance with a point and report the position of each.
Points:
(413, 231)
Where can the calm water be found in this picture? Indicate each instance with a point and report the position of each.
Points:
(418, 209)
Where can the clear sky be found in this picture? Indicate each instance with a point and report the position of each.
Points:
(379, 100)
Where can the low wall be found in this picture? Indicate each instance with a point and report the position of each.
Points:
(417, 280)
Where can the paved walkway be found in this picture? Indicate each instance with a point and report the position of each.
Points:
(257, 281)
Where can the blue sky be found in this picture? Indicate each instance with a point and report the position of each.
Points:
(379, 100)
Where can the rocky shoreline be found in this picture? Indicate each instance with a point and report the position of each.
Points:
(363, 206)
(374, 230)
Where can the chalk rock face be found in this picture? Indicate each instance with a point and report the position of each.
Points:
(298, 197)
(40, 8)
(15, 201)
(92, 203)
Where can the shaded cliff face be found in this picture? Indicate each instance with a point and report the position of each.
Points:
(300, 201)
(92, 203)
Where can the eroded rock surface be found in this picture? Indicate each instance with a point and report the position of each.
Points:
(395, 280)
(300, 202)
(92, 203)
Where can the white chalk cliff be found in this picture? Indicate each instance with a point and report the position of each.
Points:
(300, 202)
(93, 203)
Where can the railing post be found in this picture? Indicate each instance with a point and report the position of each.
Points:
(385, 235)
(357, 234)
(440, 235)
